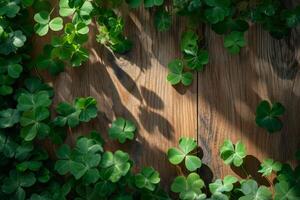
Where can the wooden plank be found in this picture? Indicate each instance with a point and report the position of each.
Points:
(232, 86)
(134, 86)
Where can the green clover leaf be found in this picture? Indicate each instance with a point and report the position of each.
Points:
(87, 107)
(234, 41)
(9, 8)
(122, 130)
(31, 101)
(189, 41)
(148, 178)
(68, 115)
(267, 116)
(189, 188)
(162, 20)
(219, 187)
(177, 75)
(217, 11)
(83, 110)
(233, 154)
(285, 190)
(16, 182)
(251, 191)
(196, 59)
(44, 23)
(82, 161)
(9, 117)
(114, 165)
(152, 3)
(7, 146)
(268, 166)
(32, 123)
(186, 146)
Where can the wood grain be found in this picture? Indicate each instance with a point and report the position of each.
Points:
(232, 86)
(134, 86)
(220, 104)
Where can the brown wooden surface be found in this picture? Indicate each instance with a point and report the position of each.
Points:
(220, 104)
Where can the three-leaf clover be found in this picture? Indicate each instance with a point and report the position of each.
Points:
(114, 165)
(7, 146)
(82, 161)
(186, 146)
(267, 116)
(83, 110)
(9, 8)
(218, 187)
(217, 11)
(177, 74)
(251, 191)
(234, 41)
(196, 58)
(16, 182)
(44, 23)
(31, 101)
(122, 130)
(268, 166)
(33, 125)
(233, 154)
(189, 188)
(148, 178)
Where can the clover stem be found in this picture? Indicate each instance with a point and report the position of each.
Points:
(179, 170)
(37, 72)
(271, 184)
(70, 130)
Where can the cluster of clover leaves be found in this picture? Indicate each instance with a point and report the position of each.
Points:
(285, 185)
(85, 170)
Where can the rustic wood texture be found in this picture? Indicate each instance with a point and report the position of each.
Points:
(220, 104)
(134, 86)
(233, 85)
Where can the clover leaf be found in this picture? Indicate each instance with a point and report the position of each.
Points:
(189, 188)
(288, 183)
(219, 187)
(134, 3)
(14, 41)
(233, 154)
(16, 182)
(9, 117)
(44, 23)
(251, 191)
(87, 107)
(189, 41)
(82, 161)
(83, 110)
(31, 101)
(148, 178)
(68, 115)
(217, 11)
(33, 125)
(114, 165)
(196, 59)
(7, 146)
(267, 116)
(152, 3)
(9, 8)
(285, 190)
(177, 74)
(234, 41)
(162, 20)
(186, 146)
(268, 166)
(122, 130)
